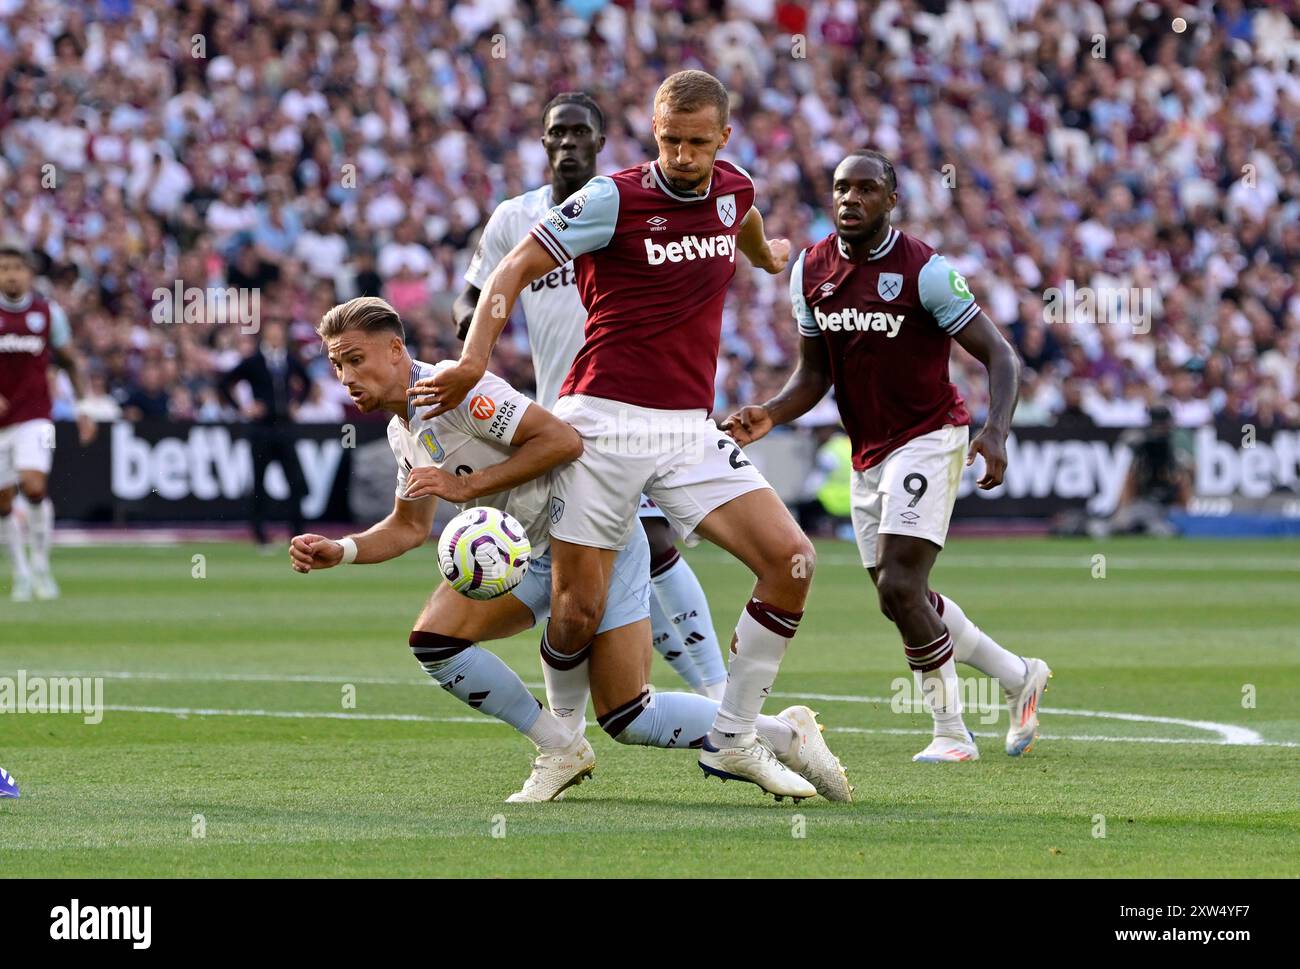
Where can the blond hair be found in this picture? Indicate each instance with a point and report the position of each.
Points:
(369, 313)
(692, 90)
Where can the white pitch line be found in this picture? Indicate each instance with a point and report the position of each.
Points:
(1229, 734)
(1083, 563)
(485, 720)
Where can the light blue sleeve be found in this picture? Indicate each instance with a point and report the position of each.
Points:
(60, 330)
(945, 295)
(584, 222)
(798, 304)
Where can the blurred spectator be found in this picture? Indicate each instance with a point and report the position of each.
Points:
(276, 382)
(358, 149)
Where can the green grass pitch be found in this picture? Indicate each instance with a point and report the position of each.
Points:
(1171, 727)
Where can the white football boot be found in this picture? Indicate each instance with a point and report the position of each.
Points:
(949, 750)
(1023, 707)
(757, 764)
(44, 586)
(555, 772)
(810, 757)
(22, 589)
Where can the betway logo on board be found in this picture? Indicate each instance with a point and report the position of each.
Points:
(690, 248)
(853, 318)
(1096, 470)
(209, 463)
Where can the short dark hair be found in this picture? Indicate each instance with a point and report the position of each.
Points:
(885, 163)
(10, 247)
(579, 98)
(369, 313)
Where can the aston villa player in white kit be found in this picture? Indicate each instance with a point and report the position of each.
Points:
(877, 311)
(573, 135)
(655, 248)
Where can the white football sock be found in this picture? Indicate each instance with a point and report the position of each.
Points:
(762, 635)
(971, 645)
(567, 685)
(40, 525)
(936, 677)
(16, 541)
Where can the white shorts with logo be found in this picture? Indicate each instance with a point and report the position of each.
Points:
(677, 458)
(28, 446)
(911, 492)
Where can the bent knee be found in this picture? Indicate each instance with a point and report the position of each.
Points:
(899, 593)
(791, 563)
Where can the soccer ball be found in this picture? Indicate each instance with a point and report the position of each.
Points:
(483, 553)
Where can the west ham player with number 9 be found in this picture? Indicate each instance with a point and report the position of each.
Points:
(877, 311)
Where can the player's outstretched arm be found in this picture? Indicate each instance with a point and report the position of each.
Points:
(405, 528)
(980, 338)
(524, 263)
(765, 253)
(806, 386)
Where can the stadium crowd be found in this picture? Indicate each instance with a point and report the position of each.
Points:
(310, 151)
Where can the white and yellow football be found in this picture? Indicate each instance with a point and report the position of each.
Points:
(484, 553)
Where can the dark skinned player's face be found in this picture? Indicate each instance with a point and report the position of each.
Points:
(572, 142)
(862, 198)
(15, 276)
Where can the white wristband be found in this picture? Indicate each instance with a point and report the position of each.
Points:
(349, 551)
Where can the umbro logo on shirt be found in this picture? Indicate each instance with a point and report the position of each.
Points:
(854, 319)
(657, 221)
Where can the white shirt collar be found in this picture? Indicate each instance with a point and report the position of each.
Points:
(877, 253)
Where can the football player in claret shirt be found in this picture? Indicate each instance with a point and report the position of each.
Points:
(34, 334)
(654, 248)
(877, 311)
(573, 133)
(498, 448)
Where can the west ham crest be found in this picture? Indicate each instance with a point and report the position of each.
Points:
(557, 509)
(727, 210)
(36, 321)
(889, 285)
